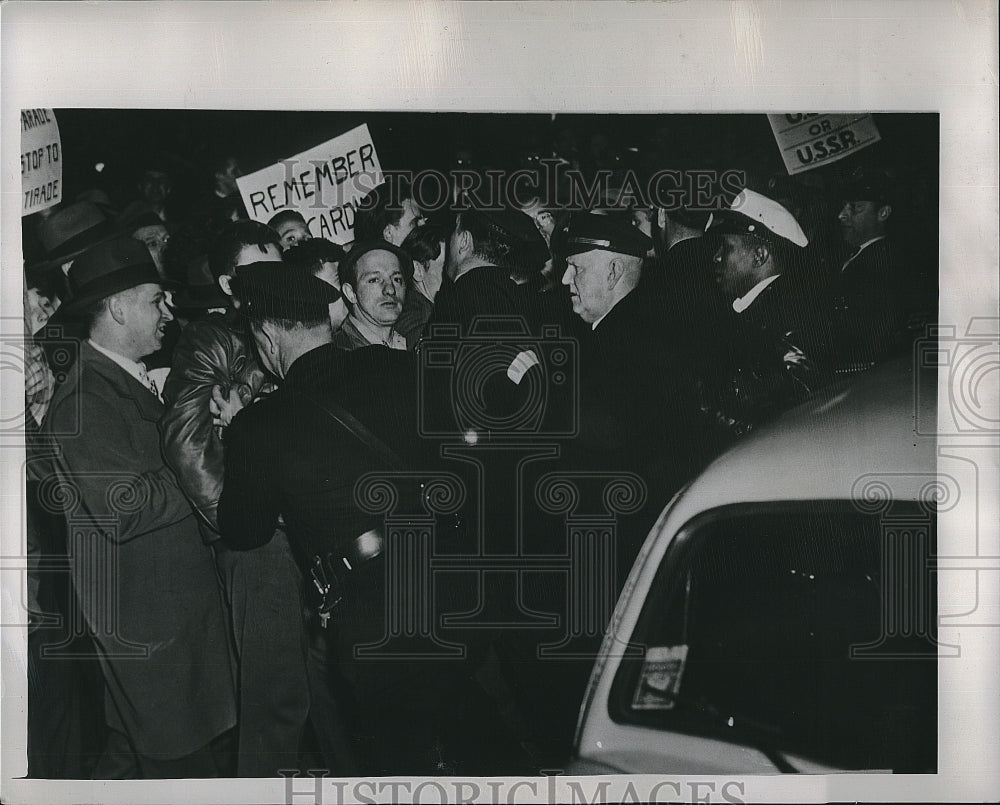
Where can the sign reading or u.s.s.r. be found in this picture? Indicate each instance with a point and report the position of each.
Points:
(324, 184)
(808, 140)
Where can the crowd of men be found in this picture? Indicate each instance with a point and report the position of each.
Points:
(238, 434)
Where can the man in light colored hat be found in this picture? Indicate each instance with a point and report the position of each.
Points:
(781, 335)
(146, 583)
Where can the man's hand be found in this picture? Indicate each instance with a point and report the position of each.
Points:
(223, 407)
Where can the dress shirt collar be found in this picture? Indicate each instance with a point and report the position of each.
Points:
(741, 304)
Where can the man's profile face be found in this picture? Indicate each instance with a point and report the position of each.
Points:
(146, 317)
(587, 275)
(292, 232)
(734, 265)
(408, 221)
(38, 309)
(380, 289)
(454, 248)
(155, 238)
(860, 221)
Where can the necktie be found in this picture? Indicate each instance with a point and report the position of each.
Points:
(148, 382)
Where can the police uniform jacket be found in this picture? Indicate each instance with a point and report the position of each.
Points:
(145, 581)
(780, 354)
(286, 456)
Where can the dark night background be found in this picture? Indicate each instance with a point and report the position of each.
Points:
(184, 142)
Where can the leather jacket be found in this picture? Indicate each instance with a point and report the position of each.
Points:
(210, 352)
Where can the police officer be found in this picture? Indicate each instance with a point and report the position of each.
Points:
(782, 333)
(297, 454)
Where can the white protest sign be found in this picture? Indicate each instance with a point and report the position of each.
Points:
(323, 184)
(808, 140)
(41, 160)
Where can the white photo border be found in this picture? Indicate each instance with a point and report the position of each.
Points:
(596, 57)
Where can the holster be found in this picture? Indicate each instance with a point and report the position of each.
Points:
(328, 572)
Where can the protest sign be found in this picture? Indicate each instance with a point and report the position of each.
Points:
(808, 140)
(41, 160)
(323, 184)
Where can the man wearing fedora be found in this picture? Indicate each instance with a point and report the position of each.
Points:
(782, 337)
(869, 291)
(144, 580)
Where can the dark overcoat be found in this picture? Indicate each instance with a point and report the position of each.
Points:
(145, 582)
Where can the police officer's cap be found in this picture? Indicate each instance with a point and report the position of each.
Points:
(276, 290)
(758, 216)
(588, 231)
(515, 227)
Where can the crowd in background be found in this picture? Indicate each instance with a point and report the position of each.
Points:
(281, 368)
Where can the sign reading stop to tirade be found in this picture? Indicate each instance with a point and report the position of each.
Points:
(41, 160)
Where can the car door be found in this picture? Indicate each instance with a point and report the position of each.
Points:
(777, 637)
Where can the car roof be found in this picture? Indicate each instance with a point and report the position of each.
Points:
(855, 439)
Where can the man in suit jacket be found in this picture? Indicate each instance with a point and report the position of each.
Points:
(869, 292)
(145, 582)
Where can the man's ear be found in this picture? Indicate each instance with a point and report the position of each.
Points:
(418, 272)
(268, 340)
(224, 283)
(615, 270)
(661, 218)
(761, 254)
(884, 212)
(387, 233)
(348, 292)
(116, 306)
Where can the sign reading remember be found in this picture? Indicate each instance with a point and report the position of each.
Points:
(41, 160)
(808, 140)
(323, 184)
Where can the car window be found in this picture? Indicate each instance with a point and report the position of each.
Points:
(749, 627)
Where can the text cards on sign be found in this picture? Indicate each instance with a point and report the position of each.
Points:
(324, 184)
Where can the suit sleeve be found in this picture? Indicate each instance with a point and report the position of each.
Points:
(106, 476)
(249, 507)
(191, 446)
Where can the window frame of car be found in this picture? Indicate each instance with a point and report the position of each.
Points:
(663, 592)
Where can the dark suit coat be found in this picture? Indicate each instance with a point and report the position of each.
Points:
(285, 455)
(173, 692)
(416, 311)
(484, 292)
(869, 306)
(639, 406)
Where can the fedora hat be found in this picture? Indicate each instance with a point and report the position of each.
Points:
(107, 268)
(72, 230)
(200, 291)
